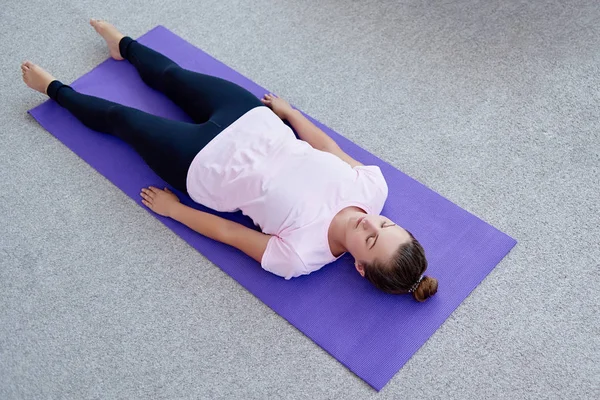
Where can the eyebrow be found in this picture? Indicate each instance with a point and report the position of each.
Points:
(377, 237)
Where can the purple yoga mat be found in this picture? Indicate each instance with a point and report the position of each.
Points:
(372, 333)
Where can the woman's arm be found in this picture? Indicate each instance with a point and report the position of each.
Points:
(309, 132)
(318, 139)
(306, 130)
(166, 203)
(250, 241)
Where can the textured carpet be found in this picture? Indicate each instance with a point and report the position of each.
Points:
(494, 105)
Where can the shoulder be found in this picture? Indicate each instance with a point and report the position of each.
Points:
(372, 172)
(373, 185)
(281, 258)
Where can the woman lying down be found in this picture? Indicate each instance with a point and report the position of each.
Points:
(312, 202)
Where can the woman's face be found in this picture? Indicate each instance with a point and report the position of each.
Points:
(370, 237)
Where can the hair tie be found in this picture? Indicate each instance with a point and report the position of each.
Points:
(416, 285)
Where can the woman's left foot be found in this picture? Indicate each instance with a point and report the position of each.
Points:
(36, 77)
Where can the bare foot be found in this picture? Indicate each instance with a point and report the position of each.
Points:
(36, 77)
(110, 34)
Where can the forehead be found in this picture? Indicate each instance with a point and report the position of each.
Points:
(392, 237)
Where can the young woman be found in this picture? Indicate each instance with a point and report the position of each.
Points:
(311, 200)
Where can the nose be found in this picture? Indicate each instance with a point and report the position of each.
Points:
(368, 224)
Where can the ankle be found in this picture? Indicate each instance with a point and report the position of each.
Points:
(124, 43)
(53, 88)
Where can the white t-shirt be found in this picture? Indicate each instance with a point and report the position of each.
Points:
(289, 189)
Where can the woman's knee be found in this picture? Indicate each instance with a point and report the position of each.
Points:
(115, 113)
(171, 72)
(121, 118)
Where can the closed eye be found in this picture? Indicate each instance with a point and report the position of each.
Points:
(376, 236)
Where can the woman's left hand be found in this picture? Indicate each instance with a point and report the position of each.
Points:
(159, 201)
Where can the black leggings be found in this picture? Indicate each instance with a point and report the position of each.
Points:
(167, 146)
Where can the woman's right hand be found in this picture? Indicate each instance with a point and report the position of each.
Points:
(279, 106)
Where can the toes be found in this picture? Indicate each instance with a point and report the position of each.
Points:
(96, 23)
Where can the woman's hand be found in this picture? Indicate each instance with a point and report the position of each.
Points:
(159, 201)
(279, 106)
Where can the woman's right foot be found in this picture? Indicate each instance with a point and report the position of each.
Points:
(110, 34)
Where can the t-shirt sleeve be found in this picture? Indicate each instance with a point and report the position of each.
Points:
(281, 259)
(375, 176)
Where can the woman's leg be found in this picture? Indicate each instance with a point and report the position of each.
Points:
(167, 146)
(199, 95)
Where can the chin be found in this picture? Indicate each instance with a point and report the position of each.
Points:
(350, 249)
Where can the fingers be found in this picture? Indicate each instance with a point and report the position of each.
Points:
(156, 200)
(149, 193)
(147, 199)
(268, 99)
(152, 191)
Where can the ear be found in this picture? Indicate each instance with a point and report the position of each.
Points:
(360, 267)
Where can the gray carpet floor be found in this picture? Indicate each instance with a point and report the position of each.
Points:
(493, 104)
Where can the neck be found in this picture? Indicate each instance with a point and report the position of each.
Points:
(337, 229)
(337, 235)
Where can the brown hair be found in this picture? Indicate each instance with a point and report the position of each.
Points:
(397, 277)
